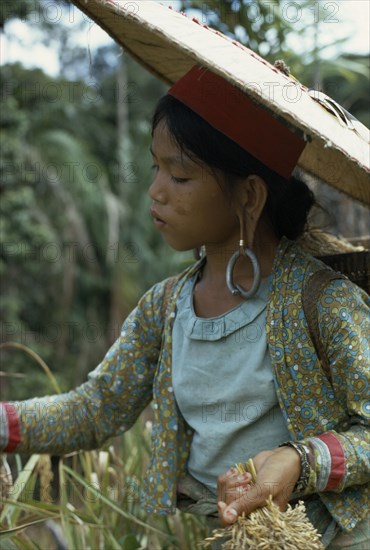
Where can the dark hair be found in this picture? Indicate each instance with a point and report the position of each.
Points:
(289, 201)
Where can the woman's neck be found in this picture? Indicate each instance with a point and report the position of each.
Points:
(264, 247)
(211, 295)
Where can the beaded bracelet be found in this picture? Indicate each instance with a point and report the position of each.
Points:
(303, 451)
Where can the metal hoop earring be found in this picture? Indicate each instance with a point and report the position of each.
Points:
(235, 289)
(199, 253)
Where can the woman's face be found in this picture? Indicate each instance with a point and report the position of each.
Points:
(189, 207)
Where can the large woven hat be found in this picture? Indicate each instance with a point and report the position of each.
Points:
(169, 44)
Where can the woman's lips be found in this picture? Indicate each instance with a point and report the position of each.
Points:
(157, 220)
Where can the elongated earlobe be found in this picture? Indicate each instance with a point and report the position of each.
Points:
(256, 190)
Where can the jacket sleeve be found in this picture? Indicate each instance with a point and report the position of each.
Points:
(106, 405)
(342, 457)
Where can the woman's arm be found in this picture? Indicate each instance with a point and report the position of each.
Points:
(106, 405)
(342, 456)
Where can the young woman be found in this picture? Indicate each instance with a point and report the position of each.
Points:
(224, 350)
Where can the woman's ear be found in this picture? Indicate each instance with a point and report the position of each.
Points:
(252, 197)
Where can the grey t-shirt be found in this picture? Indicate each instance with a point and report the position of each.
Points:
(223, 384)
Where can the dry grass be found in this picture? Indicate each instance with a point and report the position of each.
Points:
(98, 503)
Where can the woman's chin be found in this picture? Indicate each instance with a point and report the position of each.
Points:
(180, 247)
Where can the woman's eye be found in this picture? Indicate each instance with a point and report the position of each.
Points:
(179, 180)
(155, 169)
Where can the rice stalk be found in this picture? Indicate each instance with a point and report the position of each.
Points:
(22, 486)
(46, 476)
(6, 481)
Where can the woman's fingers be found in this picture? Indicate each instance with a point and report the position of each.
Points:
(227, 514)
(232, 485)
(246, 502)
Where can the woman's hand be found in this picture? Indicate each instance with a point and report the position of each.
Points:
(277, 473)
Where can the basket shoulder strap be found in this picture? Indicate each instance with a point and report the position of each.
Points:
(312, 292)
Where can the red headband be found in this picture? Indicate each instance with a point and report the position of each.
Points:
(227, 109)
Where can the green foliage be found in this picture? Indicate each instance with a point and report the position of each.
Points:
(75, 224)
(21, 9)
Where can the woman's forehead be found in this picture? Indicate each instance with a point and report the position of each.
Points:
(165, 147)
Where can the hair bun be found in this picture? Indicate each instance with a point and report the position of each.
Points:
(293, 207)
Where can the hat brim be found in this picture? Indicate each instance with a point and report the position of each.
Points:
(168, 44)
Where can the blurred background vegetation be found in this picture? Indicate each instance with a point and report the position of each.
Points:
(77, 244)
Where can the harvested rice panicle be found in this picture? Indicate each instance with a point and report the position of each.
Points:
(268, 528)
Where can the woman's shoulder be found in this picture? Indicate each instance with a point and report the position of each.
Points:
(297, 269)
(293, 263)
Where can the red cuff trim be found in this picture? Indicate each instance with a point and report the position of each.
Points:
(338, 462)
(14, 431)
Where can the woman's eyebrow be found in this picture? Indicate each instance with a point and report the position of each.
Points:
(176, 159)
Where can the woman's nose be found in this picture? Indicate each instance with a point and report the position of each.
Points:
(157, 191)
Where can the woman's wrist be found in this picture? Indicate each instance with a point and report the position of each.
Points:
(304, 455)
